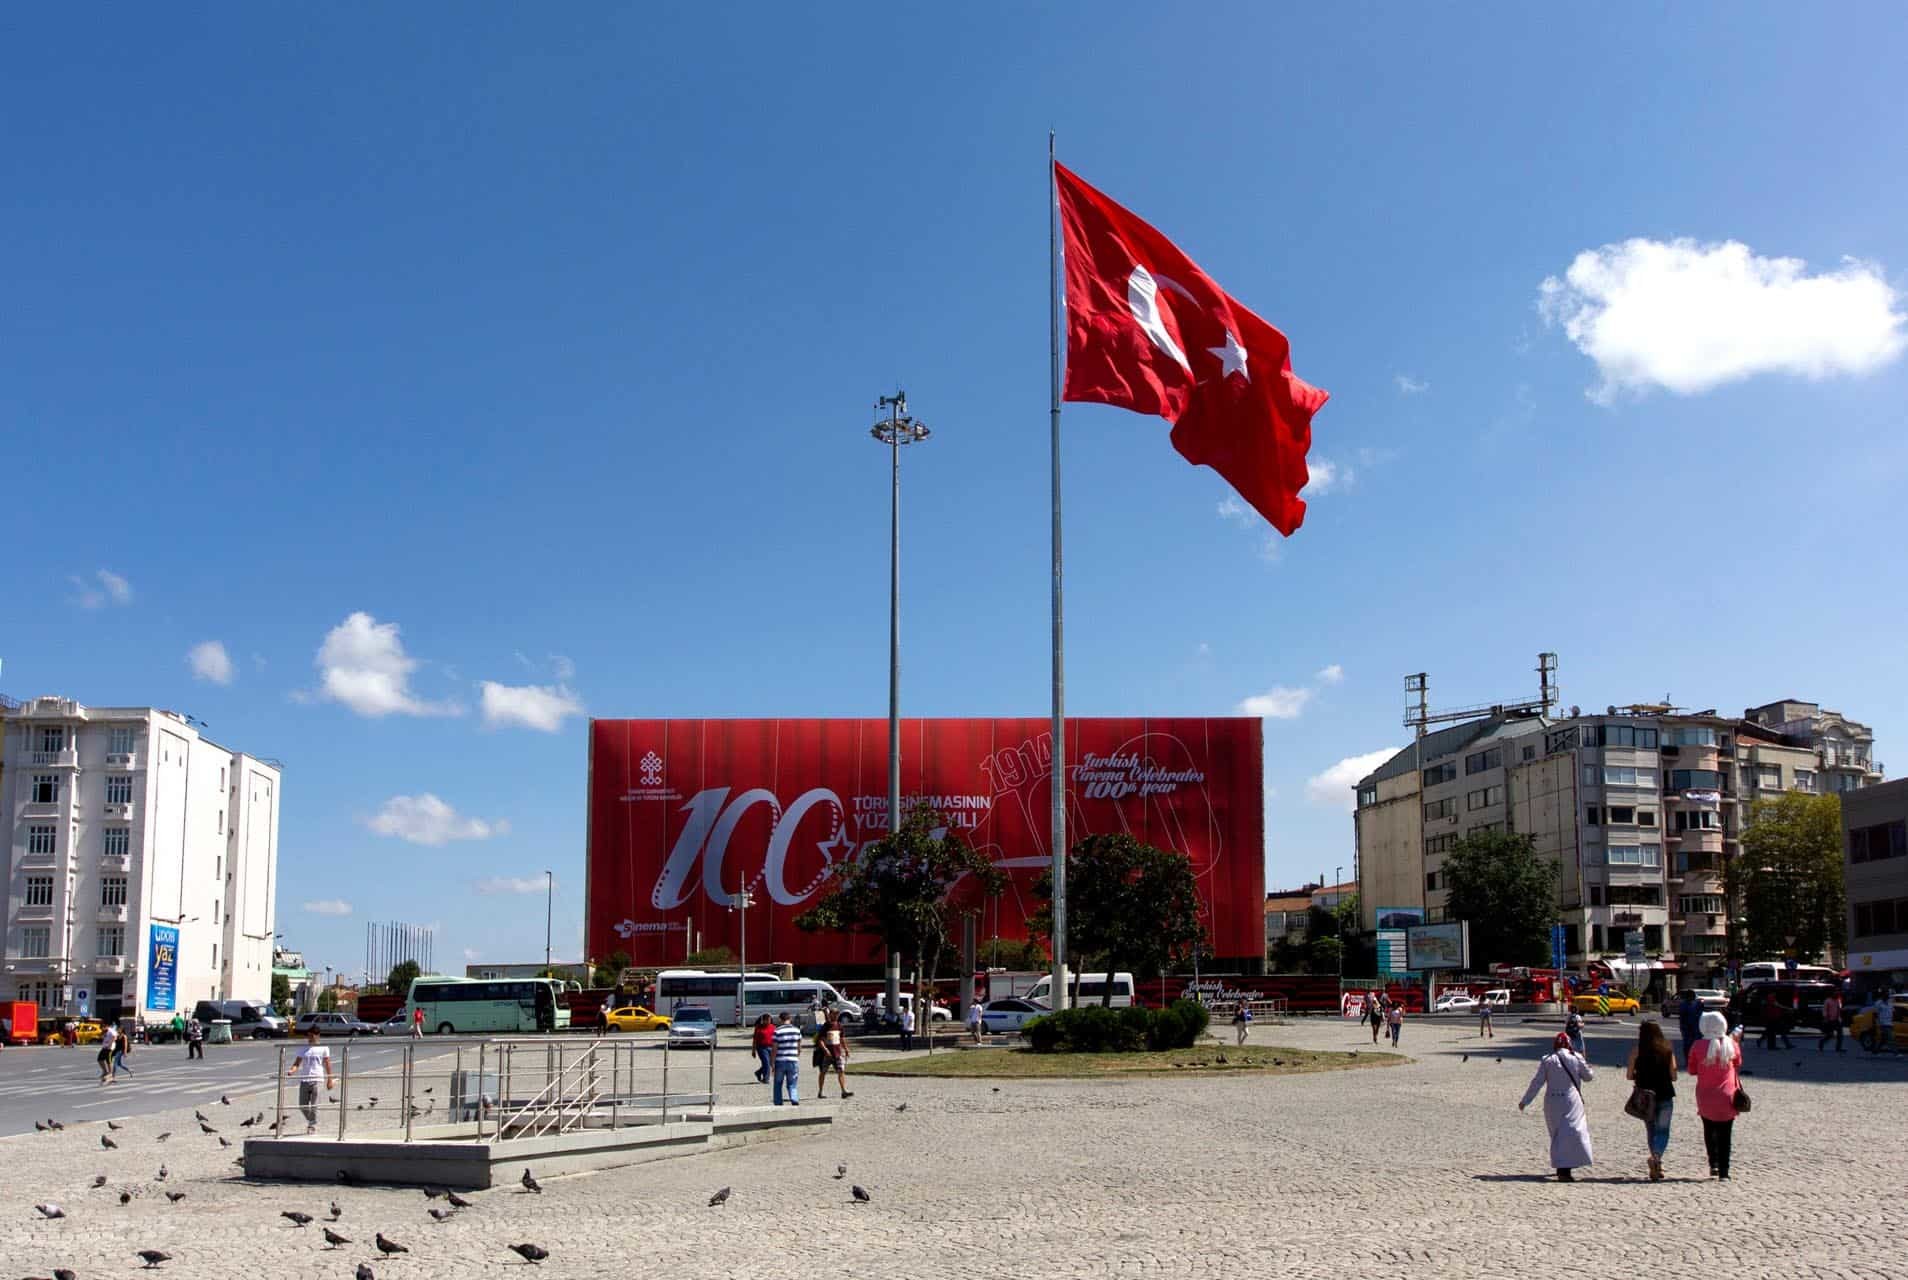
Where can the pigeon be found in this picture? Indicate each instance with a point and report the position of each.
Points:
(433, 1193)
(153, 1257)
(50, 1210)
(198, 1115)
(443, 1215)
(162, 1137)
(206, 1128)
(364, 1272)
(225, 1142)
(125, 1197)
(61, 1273)
(175, 1196)
(247, 1123)
(296, 1218)
(333, 1239)
(841, 1171)
(389, 1247)
(996, 1088)
(1500, 1059)
(42, 1126)
(373, 1101)
(107, 1143)
(224, 1101)
(1464, 1057)
(346, 1178)
(902, 1107)
(56, 1126)
(861, 1194)
(99, 1180)
(336, 1212)
(457, 1201)
(114, 1125)
(530, 1252)
(161, 1175)
(428, 1090)
(530, 1183)
(720, 1197)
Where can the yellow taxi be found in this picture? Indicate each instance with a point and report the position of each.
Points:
(1591, 1002)
(1862, 1027)
(85, 1031)
(633, 1017)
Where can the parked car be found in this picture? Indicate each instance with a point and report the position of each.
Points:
(1708, 999)
(633, 1017)
(85, 1031)
(247, 1018)
(395, 1025)
(1591, 1002)
(330, 1024)
(691, 1026)
(1862, 1027)
(1456, 1002)
(1011, 1014)
(1804, 998)
(936, 1011)
(1497, 997)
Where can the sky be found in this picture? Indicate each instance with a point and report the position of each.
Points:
(394, 388)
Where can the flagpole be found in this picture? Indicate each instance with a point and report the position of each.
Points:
(1058, 997)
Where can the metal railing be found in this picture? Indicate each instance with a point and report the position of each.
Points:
(495, 1090)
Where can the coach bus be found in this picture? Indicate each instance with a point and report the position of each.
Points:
(514, 1006)
(766, 993)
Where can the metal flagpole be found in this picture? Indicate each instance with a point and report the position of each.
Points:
(1058, 999)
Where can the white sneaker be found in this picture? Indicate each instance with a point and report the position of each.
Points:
(311, 1129)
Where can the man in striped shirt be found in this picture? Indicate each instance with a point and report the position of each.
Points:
(788, 1060)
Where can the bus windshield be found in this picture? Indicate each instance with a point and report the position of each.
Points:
(514, 1006)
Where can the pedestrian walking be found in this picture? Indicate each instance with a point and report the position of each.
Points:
(1242, 1022)
(1573, 1027)
(195, 1039)
(1776, 1021)
(1689, 1016)
(312, 1067)
(1719, 1095)
(122, 1047)
(1560, 1076)
(1831, 1024)
(108, 1041)
(178, 1027)
(788, 1061)
(1652, 1069)
(1884, 1028)
(1484, 1029)
(831, 1053)
(907, 1027)
(975, 1027)
(1377, 1015)
(763, 1041)
(1394, 1018)
(417, 1023)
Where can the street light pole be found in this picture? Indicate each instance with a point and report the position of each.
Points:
(894, 431)
(549, 913)
(742, 902)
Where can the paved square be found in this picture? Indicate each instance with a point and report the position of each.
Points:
(1421, 1169)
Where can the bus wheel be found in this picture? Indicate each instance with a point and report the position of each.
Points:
(446, 1029)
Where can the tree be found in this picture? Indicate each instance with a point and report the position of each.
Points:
(399, 983)
(1787, 882)
(908, 889)
(1497, 882)
(281, 993)
(328, 1000)
(609, 971)
(1022, 956)
(1130, 907)
(1327, 955)
(716, 956)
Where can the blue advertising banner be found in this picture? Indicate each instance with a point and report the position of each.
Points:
(162, 966)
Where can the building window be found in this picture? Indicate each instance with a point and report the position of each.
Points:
(1596, 937)
(221, 830)
(1367, 796)
(215, 912)
(1485, 798)
(1619, 735)
(112, 940)
(1626, 776)
(1635, 895)
(1592, 776)
(124, 740)
(118, 842)
(40, 839)
(112, 891)
(1596, 895)
(1530, 753)
(1873, 919)
(1695, 780)
(1439, 844)
(1445, 808)
(1430, 882)
(119, 789)
(1652, 854)
(221, 777)
(1440, 773)
(1769, 776)
(34, 942)
(1622, 815)
(39, 891)
(1592, 815)
(46, 788)
(1652, 937)
(1479, 761)
(1689, 737)
(215, 961)
(1646, 817)
(1701, 904)
(1623, 855)
(1805, 780)
(1698, 820)
(53, 739)
(1885, 840)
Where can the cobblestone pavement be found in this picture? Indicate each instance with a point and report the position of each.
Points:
(1426, 1168)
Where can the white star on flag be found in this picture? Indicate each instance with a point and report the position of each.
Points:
(1232, 358)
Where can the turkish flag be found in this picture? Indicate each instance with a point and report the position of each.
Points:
(1147, 330)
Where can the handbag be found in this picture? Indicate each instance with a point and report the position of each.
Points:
(1741, 1101)
(1642, 1104)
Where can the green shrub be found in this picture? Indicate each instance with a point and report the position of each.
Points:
(1093, 1029)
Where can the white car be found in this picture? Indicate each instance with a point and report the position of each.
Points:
(395, 1025)
(692, 1026)
(1456, 1002)
(1010, 1014)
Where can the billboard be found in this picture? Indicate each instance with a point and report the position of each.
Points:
(684, 813)
(1438, 946)
(162, 967)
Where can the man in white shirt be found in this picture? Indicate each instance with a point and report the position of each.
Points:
(1884, 1021)
(108, 1039)
(312, 1066)
(907, 1027)
(974, 1024)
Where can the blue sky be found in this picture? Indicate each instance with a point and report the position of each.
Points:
(551, 337)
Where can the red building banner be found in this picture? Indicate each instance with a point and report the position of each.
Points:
(683, 814)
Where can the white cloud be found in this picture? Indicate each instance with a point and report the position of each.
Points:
(1687, 316)
(530, 706)
(470, 955)
(363, 665)
(1330, 675)
(425, 819)
(329, 907)
(1325, 476)
(510, 884)
(1334, 787)
(210, 661)
(1230, 508)
(103, 588)
(1410, 386)
(562, 667)
(1276, 703)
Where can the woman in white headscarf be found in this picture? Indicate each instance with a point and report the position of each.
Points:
(1713, 1061)
(1560, 1077)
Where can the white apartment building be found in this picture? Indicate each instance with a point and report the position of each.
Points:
(143, 857)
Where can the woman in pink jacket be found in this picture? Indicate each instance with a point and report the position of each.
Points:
(1713, 1061)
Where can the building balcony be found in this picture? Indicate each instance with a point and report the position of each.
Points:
(67, 759)
(36, 912)
(38, 859)
(35, 809)
(123, 812)
(122, 760)
(115, 862)
(110, 964)
(112, 915)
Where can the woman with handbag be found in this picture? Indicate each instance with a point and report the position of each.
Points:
(1653, 1069)
(1560, 1078)
(1720, 1097)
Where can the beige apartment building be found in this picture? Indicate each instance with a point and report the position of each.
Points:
(1875, 839)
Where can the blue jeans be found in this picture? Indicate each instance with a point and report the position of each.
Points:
(787, 1078)
(1659, 1129)
(765, 1056)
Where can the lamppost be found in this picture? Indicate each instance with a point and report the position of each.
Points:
(741, 903)
(894, 431)
(549, 912)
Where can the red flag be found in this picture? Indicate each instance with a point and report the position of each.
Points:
(1147, 330)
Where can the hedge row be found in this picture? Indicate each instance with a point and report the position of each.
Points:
(1092, 1029)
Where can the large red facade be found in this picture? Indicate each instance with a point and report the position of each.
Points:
(683, 813)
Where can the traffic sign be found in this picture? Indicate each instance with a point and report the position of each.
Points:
(1557, 947)
(1633, 947)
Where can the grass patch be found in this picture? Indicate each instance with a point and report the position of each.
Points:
(1201, 1060)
